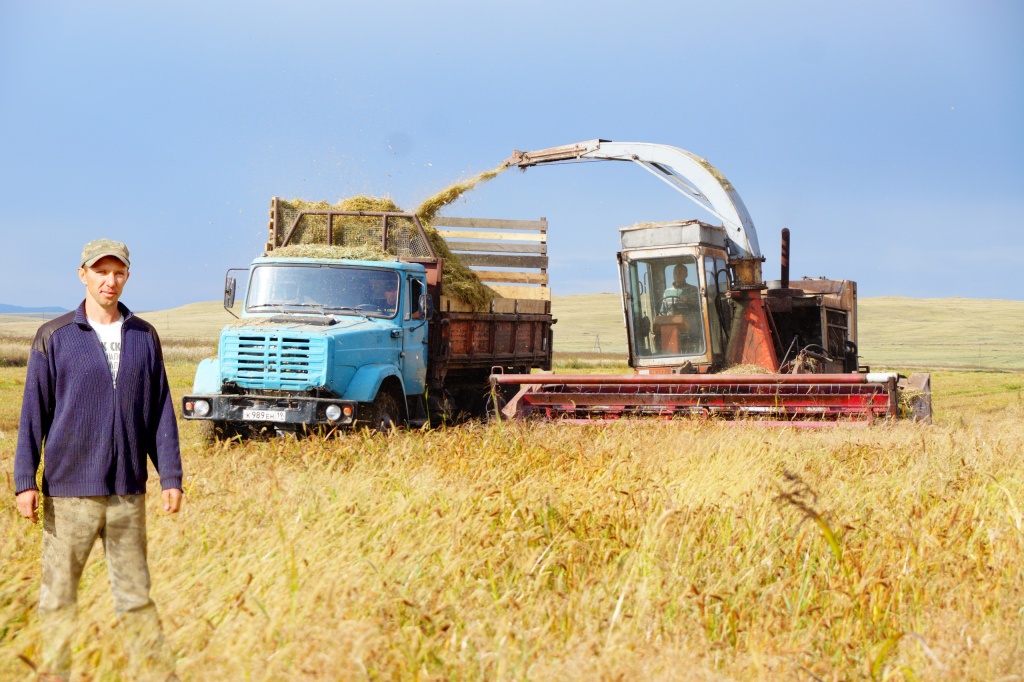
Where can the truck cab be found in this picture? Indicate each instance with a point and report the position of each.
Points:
(321, 343)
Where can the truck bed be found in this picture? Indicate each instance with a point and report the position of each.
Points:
(485, 340)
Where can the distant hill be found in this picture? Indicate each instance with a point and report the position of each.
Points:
(895, 333)
(6, 309)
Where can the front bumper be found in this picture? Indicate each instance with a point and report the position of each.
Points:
(263, 410)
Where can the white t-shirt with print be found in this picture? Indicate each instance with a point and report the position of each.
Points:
(110, 338)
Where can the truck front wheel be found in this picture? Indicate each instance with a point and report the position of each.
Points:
(383, 414)
(215, 431)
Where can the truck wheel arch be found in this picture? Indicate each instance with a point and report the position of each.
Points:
(368, 381)
(388, 409)
(207, 379)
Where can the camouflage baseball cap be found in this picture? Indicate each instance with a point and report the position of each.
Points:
(98, 248)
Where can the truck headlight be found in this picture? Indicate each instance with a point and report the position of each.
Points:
(333, 413)
(201, 408)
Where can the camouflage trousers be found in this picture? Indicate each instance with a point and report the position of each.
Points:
(70, 528)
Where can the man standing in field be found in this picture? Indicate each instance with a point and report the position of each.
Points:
(97, 399)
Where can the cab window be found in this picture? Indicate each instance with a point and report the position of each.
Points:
(412, 306)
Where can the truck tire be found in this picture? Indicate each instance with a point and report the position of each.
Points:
(206, 432)
(495, 403)
(215, 432)
(383, 414)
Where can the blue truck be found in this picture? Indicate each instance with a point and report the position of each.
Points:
(325, 343)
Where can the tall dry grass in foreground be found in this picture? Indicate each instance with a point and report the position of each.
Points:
(653, 550)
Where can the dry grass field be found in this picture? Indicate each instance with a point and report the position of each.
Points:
(671, 550)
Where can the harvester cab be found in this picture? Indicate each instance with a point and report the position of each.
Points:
(706, 334)
(675, 292)
(678, 295)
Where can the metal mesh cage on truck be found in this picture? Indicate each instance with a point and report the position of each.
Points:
(387, 233)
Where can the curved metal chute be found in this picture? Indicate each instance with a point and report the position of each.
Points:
(694, 177)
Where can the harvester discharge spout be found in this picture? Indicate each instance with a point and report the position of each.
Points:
(692, 176)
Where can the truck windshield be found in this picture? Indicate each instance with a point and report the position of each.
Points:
(667, 314)
(277, 287)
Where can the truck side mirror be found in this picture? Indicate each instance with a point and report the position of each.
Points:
(229, 292)
(426, 307)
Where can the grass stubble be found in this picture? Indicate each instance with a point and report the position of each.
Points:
(680, 550)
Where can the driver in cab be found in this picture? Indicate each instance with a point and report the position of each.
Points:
(383, 296)
(681, 296)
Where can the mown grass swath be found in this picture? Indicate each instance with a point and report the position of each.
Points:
(460, 281)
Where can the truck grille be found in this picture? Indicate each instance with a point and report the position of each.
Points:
(274, 361)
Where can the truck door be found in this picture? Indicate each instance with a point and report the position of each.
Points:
(414, 347)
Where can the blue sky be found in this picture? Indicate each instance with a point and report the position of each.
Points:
(889, 137)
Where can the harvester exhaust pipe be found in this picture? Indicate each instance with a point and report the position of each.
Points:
(785, 258)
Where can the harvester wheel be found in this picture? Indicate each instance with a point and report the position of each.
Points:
(383, 414)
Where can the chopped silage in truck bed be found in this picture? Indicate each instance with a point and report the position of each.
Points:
(363, 236)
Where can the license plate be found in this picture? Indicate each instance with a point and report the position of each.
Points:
(263, 415)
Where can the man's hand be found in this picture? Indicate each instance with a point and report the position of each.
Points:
(172, 500)
(28, 504)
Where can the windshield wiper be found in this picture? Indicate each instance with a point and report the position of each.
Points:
(276, 306)
(286, 307)
(315, 306)
(357, 311)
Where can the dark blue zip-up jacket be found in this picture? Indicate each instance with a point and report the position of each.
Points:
(96, 437)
